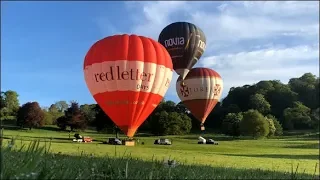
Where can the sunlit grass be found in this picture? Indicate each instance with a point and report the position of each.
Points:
(287, 155)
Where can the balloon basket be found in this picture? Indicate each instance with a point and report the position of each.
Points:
(128, 142)
(202, 128)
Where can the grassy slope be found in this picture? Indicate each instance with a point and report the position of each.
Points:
(273, 154)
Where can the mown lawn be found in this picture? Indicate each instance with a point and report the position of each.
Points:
(287, 157)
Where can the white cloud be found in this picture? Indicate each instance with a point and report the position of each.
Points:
(265, 64)
(155, 16)
(240, 21)
(246, 41)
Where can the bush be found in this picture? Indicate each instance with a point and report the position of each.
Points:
(171, 123)
(277, 125)
(272, 128)
(254, 124)
(230, 124)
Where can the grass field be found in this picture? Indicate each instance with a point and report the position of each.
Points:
(294, 156)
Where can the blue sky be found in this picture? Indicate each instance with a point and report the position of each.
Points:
(43, 44)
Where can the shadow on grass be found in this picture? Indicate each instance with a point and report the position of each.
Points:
(216, 138)
(278, 156)
(305, 146)
(50, 128)
(300, 139)
(84, 166)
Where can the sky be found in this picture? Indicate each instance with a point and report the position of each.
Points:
(43, 44)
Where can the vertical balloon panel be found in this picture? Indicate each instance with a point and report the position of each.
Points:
(128, 76)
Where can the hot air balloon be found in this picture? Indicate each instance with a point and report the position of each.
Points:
(128, 76)
(185, 43)
(201, 93)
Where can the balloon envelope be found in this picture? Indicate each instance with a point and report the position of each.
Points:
(202, 91)
(185, 43)
(128, 75)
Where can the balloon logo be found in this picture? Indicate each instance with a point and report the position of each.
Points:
(128, 76)
(185, 43)
(201, 93)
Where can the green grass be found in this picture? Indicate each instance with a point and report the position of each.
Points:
(287, 157)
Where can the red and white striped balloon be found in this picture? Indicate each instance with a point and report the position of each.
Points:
(201, 91)
(128, 76)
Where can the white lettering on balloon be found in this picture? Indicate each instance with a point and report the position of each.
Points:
(177, 41)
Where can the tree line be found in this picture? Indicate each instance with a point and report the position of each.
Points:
(263, 109)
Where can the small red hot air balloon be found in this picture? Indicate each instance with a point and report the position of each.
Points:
(201, 92)
(128, 76)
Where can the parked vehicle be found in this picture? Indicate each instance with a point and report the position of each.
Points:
(163, 142)
(114, 141)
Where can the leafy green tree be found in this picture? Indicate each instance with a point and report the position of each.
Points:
(30, 115)
(55, 113)
(9, 104)
(272, 128)
(264, 87)
(179, 124)
(239, 96)
(2, 100)
(89, 112)
(277, 125)
(233, 108)
(172, 123)
(254, 124)
(230, 124)
(280, 98)
(181, 108)
(297, 117)
(62, 122)
(315, 119)
(258, 102)
(307, 87)
(48, 118)
(61, 106)
(215, 118)
(103, 122)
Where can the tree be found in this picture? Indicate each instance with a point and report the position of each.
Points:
(239, 96)
(297, 117)
(230, 124)
(264, 87)
(30, 115)
(102, 121)
(61, 106)
(277, 125)
(55, 113)
(9, 104)
(72, 118)
(272, 128)
(179, 124)
(181, 108)
(215, 118)
(75, 118)
(62, 122)
(48, 118)
(254, 124)
(307, 87)
(258, 102)
(2, 100)
(315, 119)
(280, 98)
(172, 123)
(89, 112)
